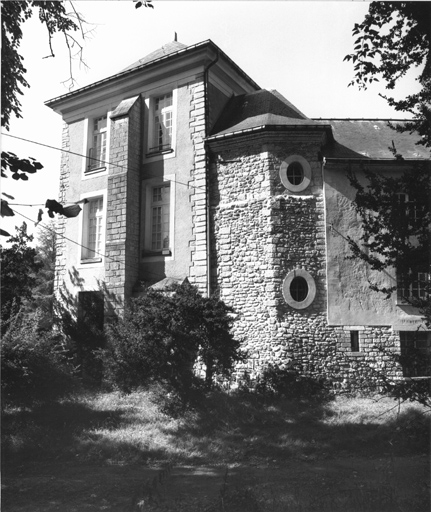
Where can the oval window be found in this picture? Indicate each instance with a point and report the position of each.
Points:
(295, 173)
(299, 289)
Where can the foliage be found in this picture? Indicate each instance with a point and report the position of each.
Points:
(396, 221)
(43, 289)
(34, 366)
(164, 334)
(393, 38)
(18, 273)
(54, 17)
(289, 383)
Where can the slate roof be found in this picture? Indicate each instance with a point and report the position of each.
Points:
(370, 138)
(259, 108)
(166, 49)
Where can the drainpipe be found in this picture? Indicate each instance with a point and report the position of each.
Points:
(207, 168)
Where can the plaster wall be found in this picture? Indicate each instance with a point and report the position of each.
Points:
(74, 275)
(177, 170)
(350, 299)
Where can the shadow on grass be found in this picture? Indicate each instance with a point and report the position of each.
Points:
(246, 427)
(282, 454)
(236, 428)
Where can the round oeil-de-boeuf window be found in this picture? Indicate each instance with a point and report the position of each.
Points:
(299, 289)
(295, 173)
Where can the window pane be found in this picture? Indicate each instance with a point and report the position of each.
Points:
(93, 242)
(160, 218)
(299, 289)
(295, 173)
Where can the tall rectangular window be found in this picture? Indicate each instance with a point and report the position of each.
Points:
(160, 211)
(162, 123)
(354, 341)
(97, 154)
(93, 224)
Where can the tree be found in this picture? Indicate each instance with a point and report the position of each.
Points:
(394, 38)
(19, 268)
(396, 222)
(42, 298)
(164, 334)
(56, 20)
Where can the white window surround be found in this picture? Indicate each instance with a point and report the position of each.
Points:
(98, 259)
(147, 190)
(101, 170)
(311, 293)
(284, 173)
(151, 153)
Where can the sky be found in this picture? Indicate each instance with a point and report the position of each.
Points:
(296, 47)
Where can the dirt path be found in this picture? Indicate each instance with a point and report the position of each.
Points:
(348, 484)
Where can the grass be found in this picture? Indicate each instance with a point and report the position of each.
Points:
(231, 453)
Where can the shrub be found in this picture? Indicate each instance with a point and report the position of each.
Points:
(34, 365)
(289, 383)
(163, 335)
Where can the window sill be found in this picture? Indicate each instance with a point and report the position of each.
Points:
(96, 170)
(158, 152)
(149, 254)
(88, 261)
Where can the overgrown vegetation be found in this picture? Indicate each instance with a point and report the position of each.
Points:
(35, 364)
(164, 335)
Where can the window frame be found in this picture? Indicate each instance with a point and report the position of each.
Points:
(102, 169)
(98, 259)
(306, 168)
(415, 288)
(152, 151)
(311, 295)
(148, 186)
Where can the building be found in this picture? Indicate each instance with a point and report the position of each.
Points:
(191, 170)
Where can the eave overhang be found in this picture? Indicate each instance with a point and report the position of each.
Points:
(201, 54)
(268, 128)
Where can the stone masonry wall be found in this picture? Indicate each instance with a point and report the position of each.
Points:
(61, 253)
(260, 232)
(122, 228)
(198, 264)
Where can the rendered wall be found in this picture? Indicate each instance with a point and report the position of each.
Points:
(351, 301)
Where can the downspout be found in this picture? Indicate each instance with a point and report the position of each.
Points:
(207, 169)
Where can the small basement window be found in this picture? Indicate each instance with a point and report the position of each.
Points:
(354, 341)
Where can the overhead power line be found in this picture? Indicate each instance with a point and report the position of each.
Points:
(105, 162)
(87, 248)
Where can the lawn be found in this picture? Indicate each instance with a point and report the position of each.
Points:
(235, 452)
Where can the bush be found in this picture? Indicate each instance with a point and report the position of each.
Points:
(163, 335)
(34, 365)
(289, 383)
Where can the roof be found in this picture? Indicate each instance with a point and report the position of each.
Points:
(371, 138)
(166, 53)
(166, 49)
(258, 109)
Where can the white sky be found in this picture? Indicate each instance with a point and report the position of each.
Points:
(294, 47)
